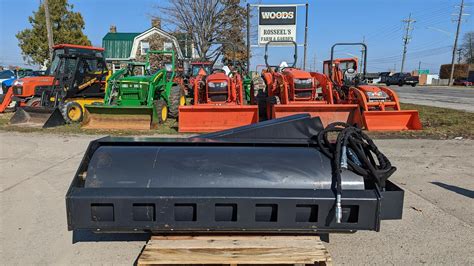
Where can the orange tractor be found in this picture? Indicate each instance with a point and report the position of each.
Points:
(290, 90)
(379, 105)
(218, 103)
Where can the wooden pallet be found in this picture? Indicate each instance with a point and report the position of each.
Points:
(234, 250)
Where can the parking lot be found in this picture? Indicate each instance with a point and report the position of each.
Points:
(459, 98)
(437, 227)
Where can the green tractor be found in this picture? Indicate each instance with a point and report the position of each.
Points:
(138, 98)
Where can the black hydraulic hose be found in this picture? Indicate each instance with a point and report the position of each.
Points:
(355, 151)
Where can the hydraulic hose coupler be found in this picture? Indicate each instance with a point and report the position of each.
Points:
(338, 209)
(344, 157)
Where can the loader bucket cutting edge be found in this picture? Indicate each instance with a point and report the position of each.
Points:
(197, 119)
(37, 117)
(118, 118)
(392, 120)
(328, 114)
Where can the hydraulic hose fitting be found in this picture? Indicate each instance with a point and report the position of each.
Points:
(344, 157)
(338, 209)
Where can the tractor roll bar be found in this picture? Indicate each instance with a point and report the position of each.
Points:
(349, 44)
(295, 55)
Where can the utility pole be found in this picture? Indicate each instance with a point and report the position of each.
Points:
(419, 67)
(470, 49)
(459, 55)
(362, 55)
(314, 62)
(305, 35)
(406, 38)
(455, 47)
(49, 30)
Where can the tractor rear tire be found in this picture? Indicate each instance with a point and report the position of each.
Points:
(177, 99)
(72, 112)
(162, 110)
(34, 102)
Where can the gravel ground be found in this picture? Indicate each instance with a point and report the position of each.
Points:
(437, 227)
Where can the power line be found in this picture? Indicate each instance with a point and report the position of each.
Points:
(407, 38)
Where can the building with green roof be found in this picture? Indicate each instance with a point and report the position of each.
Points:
(123, 47)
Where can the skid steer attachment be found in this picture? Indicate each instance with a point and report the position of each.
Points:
(119, 117)
(328, 113)
(392, 120)
(300, 127)
(236, 185)
(210, 118)
(44, 117)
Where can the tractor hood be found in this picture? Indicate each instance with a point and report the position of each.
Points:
(296, 73)
(369, 88)
(136, 79)
(34, 81)
(217, 76)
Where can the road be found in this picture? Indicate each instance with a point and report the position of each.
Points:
(437, 227)
(458, 98)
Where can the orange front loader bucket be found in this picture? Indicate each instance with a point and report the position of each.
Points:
(328, 113)
(211, 118)
(391, 120)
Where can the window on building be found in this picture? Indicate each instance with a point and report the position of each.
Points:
(145, 47)
(168, 46)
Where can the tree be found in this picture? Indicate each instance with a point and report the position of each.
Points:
(468, 47)
(208, 21)
(67, 28)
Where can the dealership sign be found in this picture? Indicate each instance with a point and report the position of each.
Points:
(276, 23)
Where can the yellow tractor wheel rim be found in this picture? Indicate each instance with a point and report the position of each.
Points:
(182, 101)
(74, 113)
(164, 113)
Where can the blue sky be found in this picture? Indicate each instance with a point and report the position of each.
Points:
(330, 21)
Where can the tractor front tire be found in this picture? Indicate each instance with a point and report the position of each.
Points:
(177, 99)
(161, 110)
(72, 112)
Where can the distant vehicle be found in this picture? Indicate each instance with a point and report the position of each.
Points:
(5, 75)
(462, 82)
(398, 78)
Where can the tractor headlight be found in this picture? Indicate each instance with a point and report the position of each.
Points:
(18, 83)
(217, 84)
(377, 94)
(303, 81)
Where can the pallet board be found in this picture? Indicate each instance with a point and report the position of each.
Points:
(234, 250)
